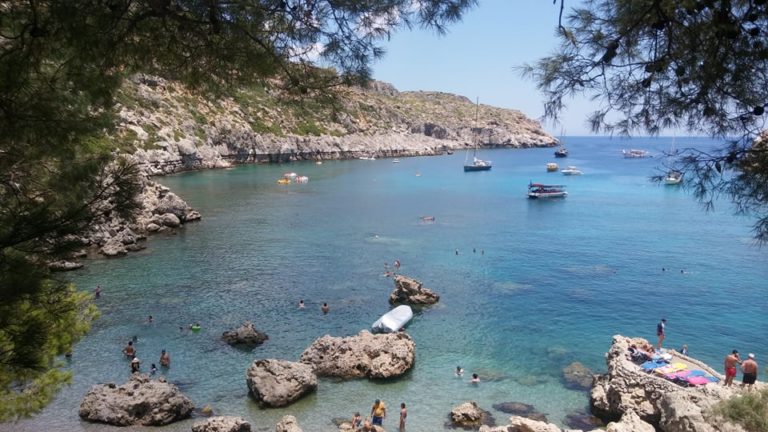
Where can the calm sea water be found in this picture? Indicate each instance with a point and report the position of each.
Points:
(535, 285)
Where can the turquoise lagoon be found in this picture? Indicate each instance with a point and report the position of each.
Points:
(535, 286)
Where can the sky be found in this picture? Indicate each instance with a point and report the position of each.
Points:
(478, 56)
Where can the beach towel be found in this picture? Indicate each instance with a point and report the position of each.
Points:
(697, 380)
(698, 373)
(664, 370)
(651, 365)
(679, 366)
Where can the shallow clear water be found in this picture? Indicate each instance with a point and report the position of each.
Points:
(548, 283)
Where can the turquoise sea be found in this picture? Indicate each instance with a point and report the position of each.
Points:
(535, 285)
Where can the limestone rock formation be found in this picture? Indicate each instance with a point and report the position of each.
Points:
(277, 383)
(364, 355)
(661, 403)
(577, 376)
(222, 424)
(246, 334)
(469, 415)
(140, 401)
(630, 422)
(65, 265)
(410, 291)
(288, 424)
(523, 424)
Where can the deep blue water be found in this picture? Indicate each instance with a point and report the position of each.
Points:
(548, 282)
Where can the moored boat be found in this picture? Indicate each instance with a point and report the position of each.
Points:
(673, 177)
(552, 167)
(393, 320)
(635, 154)
(540, 190)
(561, 152)
(571, 170)
(478, 165)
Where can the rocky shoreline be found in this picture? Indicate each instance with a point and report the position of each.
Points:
(627, 398)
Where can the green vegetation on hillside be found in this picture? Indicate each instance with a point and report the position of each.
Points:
(749, 410)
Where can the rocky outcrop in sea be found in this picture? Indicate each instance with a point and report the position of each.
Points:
(222, 424)
(245, 335)
(410, 291)
(470, 416)
(140, 401)
(288, 424)
(362, 356)
(278, 383)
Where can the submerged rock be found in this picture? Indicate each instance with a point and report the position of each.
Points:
(246, 334)
(277, 383)
(140, 401)
(577, 376)
(520, 409)
(410, 291)
(363, 356)
(222, 424)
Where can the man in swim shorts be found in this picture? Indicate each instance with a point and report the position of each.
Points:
(730, 367)
(749, 368)
(378, 412)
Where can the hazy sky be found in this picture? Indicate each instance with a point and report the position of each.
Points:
(477, 59)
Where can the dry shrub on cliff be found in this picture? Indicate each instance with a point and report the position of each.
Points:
(749, 410)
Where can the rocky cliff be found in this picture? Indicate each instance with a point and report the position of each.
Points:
(169, 128)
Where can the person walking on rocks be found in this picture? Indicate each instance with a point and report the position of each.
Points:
(730, 367)
(378, 412)
(749, 368)
(661, 331)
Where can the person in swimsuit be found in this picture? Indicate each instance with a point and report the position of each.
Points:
(357, 421)
(661, 331)
(378, 412)
(403, 415)
(129, 350)
(325, 308)
(749, 368)
(730, 367)
(165, 359)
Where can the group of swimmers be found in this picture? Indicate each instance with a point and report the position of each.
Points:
(325, 308)
(376, 418)
(460, 372)
(130, 352)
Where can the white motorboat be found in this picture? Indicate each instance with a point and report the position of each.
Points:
(393, 320)
(571, 170)
(635, 153)
(673, 177)
(539, 190)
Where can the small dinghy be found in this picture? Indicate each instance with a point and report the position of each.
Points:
(393, 320)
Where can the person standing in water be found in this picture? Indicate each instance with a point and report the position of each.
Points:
(325, 308)
(165, 359)
(403, 415)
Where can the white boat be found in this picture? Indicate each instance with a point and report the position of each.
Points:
(367, 158)
(477, 163)
(552, 167)
(673, 177)
(396, 161)
(393, 320)
(635, 153)
(571, 170)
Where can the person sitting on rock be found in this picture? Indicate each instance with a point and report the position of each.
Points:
(367, 427)
(357, 420)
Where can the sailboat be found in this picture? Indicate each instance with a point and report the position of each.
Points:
(673, 177)
(477, 164)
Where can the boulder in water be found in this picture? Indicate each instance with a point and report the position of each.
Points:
(140, 401)
(277, 383)
(410, 291)
(246, 334)
(222, 424)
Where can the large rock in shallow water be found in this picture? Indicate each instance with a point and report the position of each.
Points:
(140, 401)
(411, 291)
(222, 424)
(288, 424)
(246, 334)
(277, 383)
(365, 355)
(469, 415)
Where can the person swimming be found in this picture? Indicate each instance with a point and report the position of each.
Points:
(459, 371)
